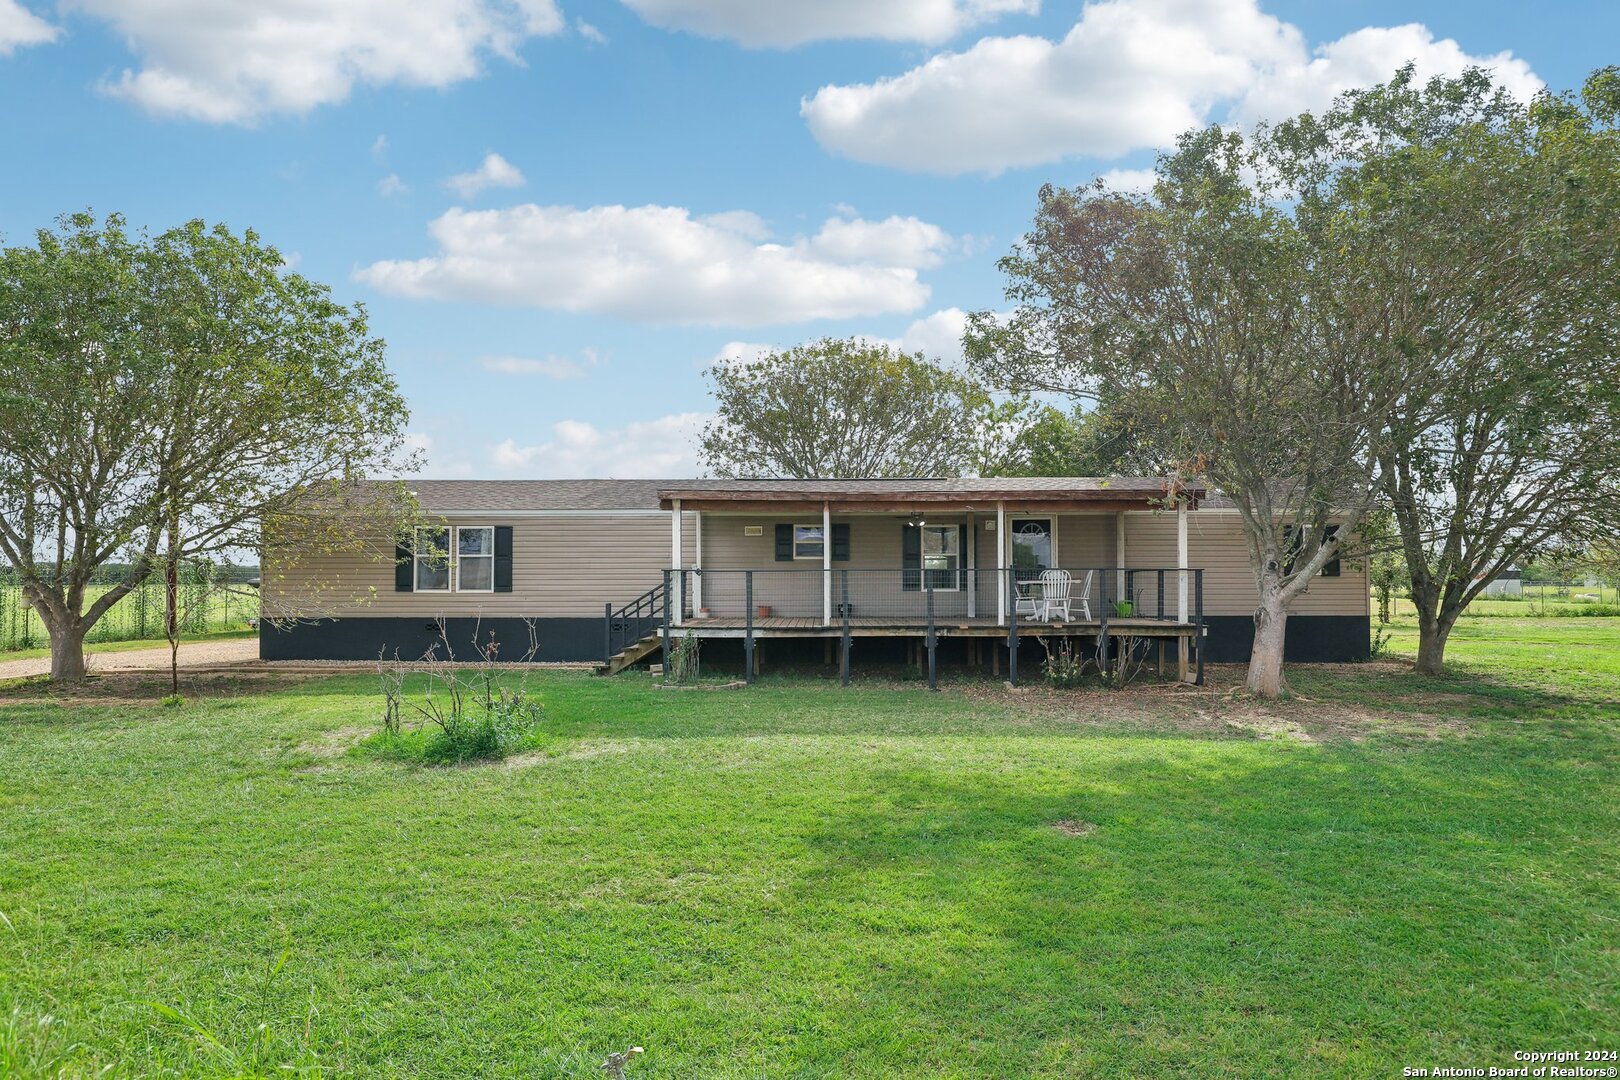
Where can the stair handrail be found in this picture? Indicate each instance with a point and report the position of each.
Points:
(646, 608)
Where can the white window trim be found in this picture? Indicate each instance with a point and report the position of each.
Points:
(416, 559)
(825, 540)
(955, 572)
(455, 575)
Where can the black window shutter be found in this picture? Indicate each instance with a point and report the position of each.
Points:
(911, 558)
(840, 543)
(784, 543)
(404, 569)
(1293, 540)
(503, 558)
(1332, 569)
(962, 555)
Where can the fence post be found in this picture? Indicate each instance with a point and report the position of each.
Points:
(1160, 613)
(933, 678)
(1011, 585)
(607, 633)
(843, 672)
(748, 626)
(666, 623)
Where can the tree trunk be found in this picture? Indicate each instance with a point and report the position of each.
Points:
(171, 618)
(1432, 635)
(1266, 659)
(67, 652)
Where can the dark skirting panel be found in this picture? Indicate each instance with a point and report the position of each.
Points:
(1310, 639)
(410, 639)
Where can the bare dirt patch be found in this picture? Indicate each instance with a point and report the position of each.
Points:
(137, 688)
(573, 753)
(1074, 827)
(333, 744)
(1220, 709)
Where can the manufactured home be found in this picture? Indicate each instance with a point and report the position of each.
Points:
(843, 572)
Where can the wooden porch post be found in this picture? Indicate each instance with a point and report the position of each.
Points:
(1001, 564)
(675, 558)
(826, 564)
(1181, 589)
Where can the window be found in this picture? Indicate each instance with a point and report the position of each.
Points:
(809, 542)
(1296, 542)
(941, 555)
(432, 560)
(475, 559)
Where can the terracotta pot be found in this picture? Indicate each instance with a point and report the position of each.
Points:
(764, 611)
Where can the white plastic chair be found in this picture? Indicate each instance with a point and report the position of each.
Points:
(1057, 594)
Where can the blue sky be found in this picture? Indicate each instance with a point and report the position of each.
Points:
(559, 212)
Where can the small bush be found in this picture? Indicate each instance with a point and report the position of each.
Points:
(173, 701)
(1587, 610)
(682, 663)
(1065, 667)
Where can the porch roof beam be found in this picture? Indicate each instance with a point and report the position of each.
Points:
(889, 506)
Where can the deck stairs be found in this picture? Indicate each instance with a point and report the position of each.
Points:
(631, 654)
(635, 630)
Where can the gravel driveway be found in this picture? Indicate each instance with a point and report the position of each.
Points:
(192, 654)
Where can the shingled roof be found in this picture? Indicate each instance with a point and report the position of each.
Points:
(450, 496)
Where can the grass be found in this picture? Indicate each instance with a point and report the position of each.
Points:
(796, 880)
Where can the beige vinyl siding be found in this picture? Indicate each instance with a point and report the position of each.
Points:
(563, 566)
(795, 589)
(1215, 542)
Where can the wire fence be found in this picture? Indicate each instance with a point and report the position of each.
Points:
(206, 606)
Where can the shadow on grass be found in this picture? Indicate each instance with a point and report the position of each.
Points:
(1323, 912)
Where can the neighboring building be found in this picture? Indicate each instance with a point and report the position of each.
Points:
(806, 565)
(1509, 582)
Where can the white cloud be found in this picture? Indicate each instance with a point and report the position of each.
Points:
(20, 28)
(938, 336)
(379, 147)
(783, 25)
(661, 264)
(740, 354)
(663, 447)
(552, 367)
(1130, 181)
(894, 241)
(590, 33)
(238, 62)
(1130, 75)
(392, 185)
(495, 171)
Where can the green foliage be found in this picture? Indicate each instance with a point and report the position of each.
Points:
(852, 408)
(1080, 443)
(173, 701)
(178, 396)
(1065, 667)
(270, 1050)
(682, 665)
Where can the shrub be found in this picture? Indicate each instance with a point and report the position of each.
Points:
(681, 665)
(1065, 667)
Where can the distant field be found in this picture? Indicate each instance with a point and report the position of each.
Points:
(1537, 600)
(137, 617)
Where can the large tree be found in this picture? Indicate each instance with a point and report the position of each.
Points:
(173, 398)
(1213, 324)
(1486, 234)
(854, 408)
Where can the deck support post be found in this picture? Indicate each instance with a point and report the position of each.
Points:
(1001, 566)
(748, 626)
(1102, 631)
(1198, 624)
(933, 674)
(826, 564)
(843, 672)
(1009, 597)
(1181, 588)
(675, 562)
(607, 633)
(666, 620)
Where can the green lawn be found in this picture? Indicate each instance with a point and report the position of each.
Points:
(797, 880)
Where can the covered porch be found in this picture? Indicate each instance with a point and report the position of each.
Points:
(926, 559)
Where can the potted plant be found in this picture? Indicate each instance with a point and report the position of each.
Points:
(1123, 609)
(764, 611)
